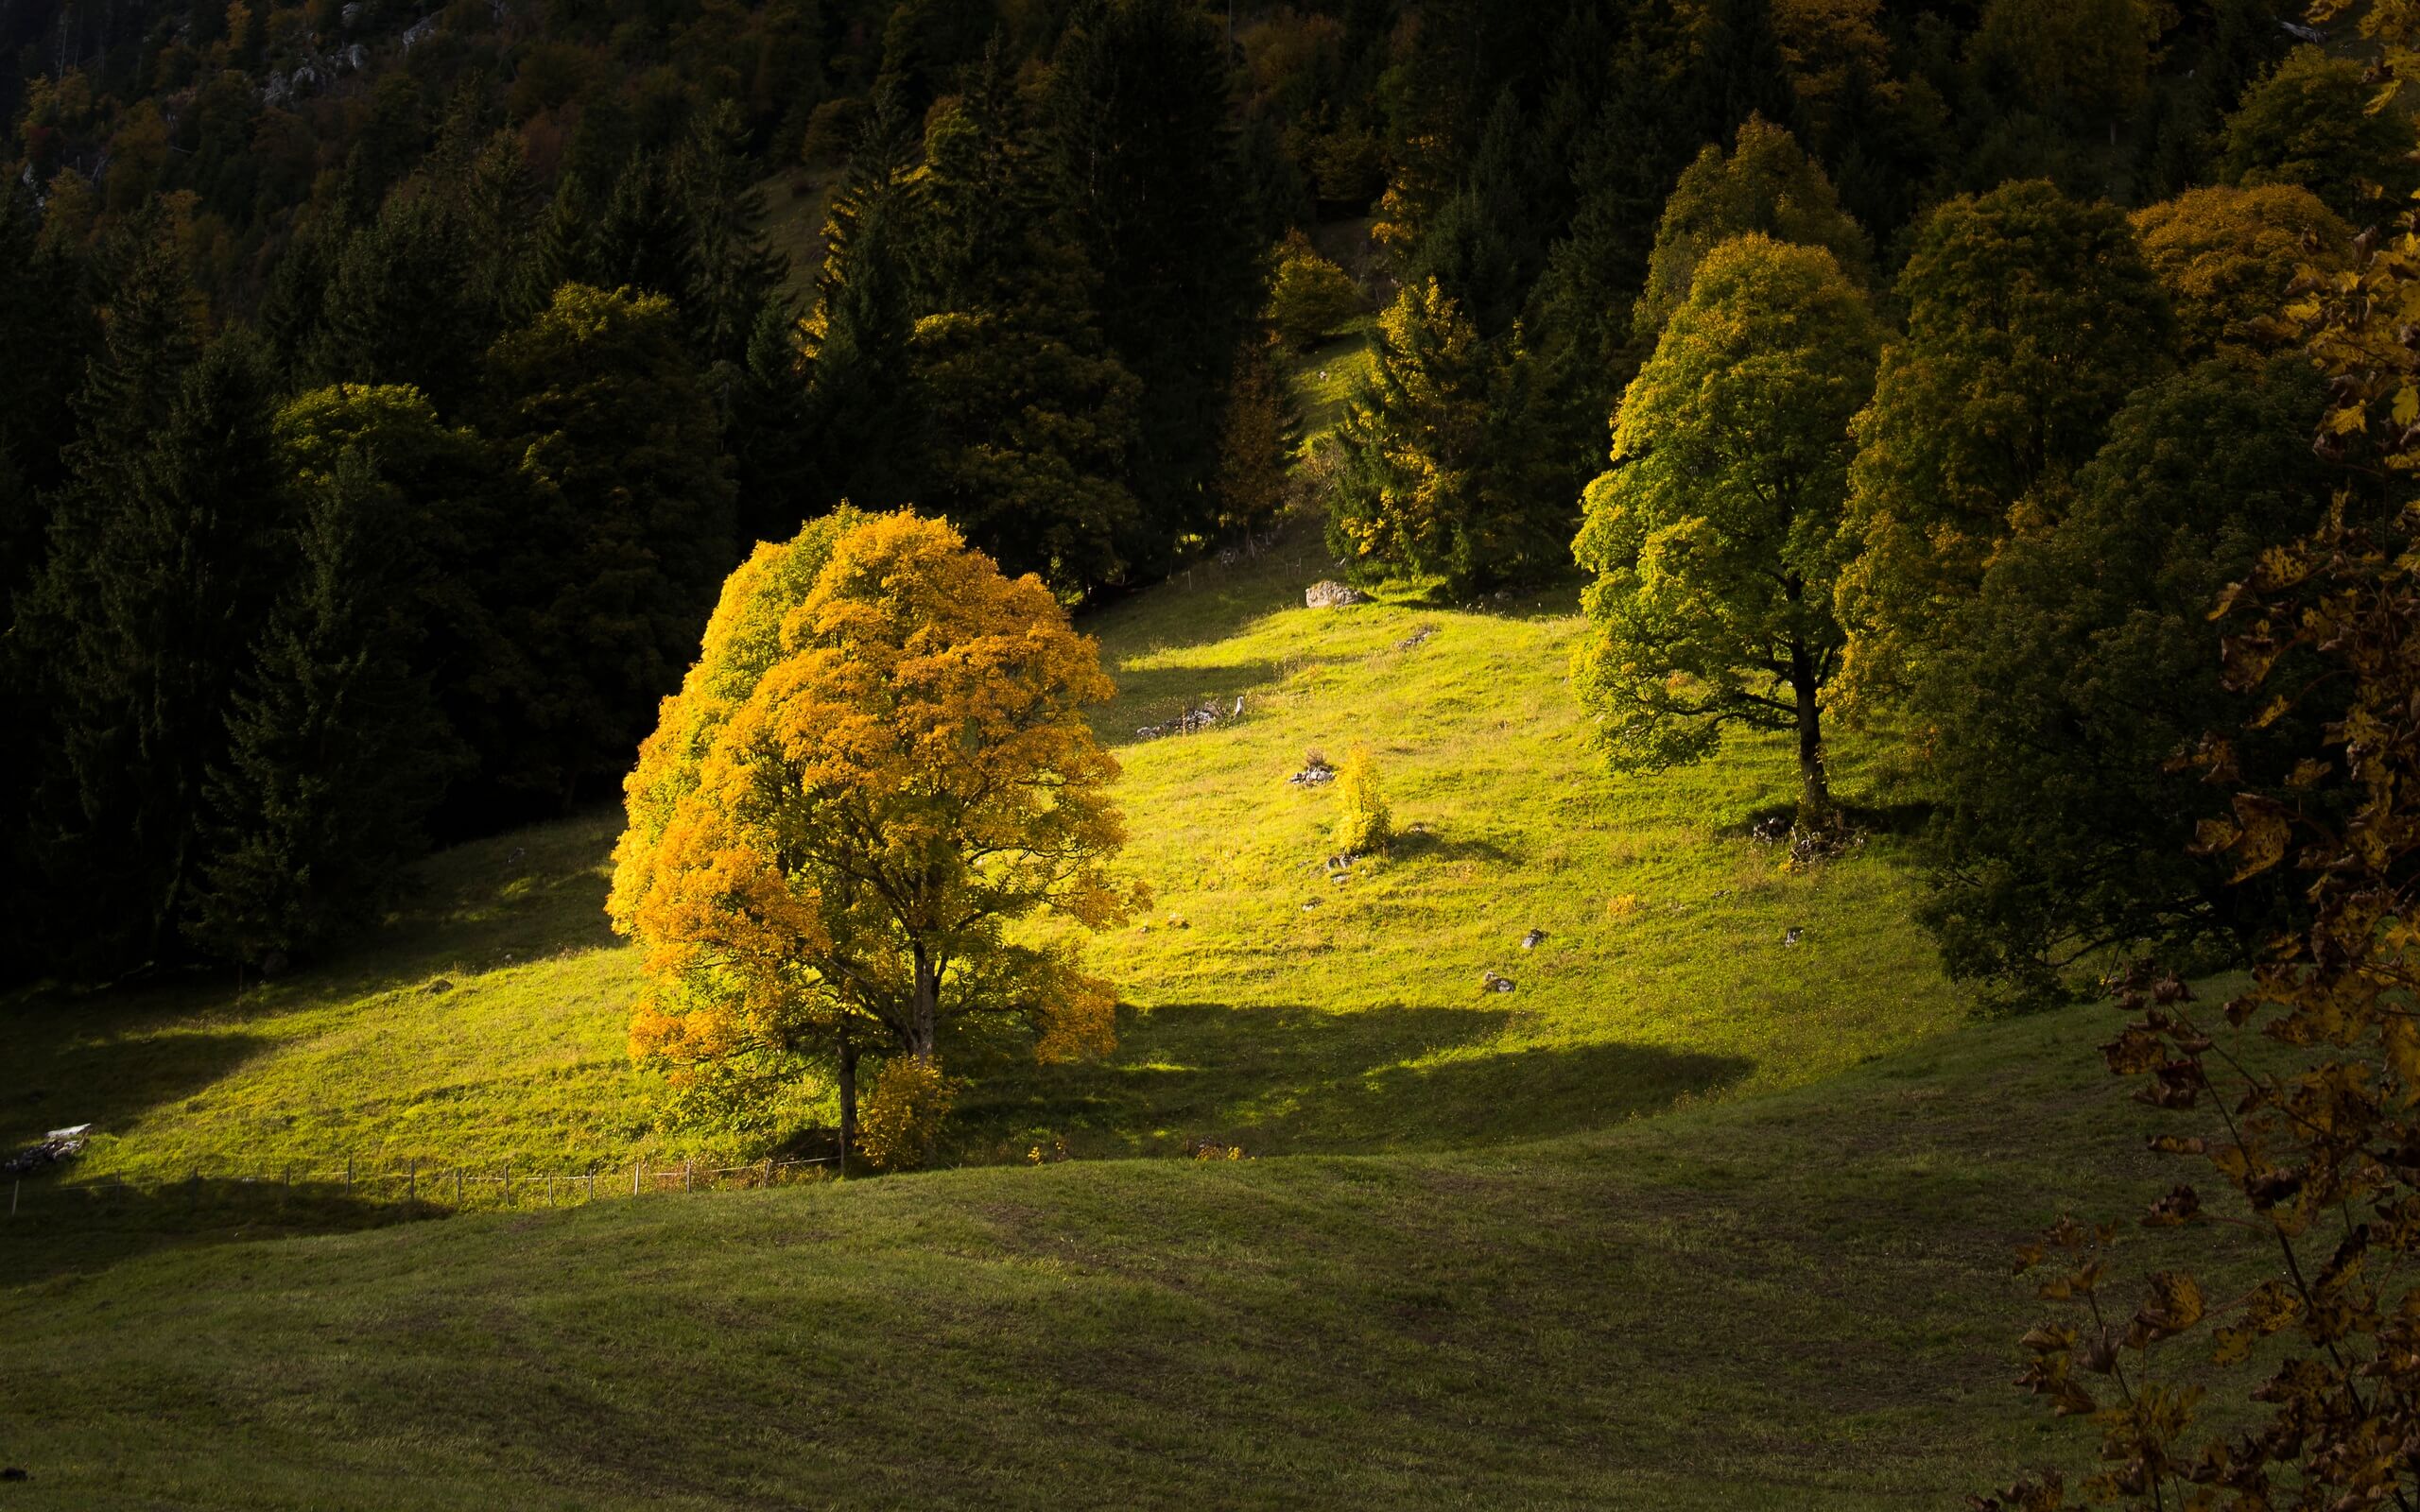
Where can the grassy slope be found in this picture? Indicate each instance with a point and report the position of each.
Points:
(1794, 1301)
(1476, 1276)
(1354, 1024)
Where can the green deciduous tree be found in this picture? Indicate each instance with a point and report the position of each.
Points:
(2087, 662)
(1715, 537)
(1765, 184)
(2029, 319)
(2310, 122)
(2225, 256)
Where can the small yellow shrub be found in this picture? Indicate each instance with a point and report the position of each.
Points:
(1366, 823)
(903, 1112)
(1621, 906)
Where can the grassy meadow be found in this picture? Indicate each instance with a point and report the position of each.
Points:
(1272, 1002)
(1712, 1210)
(1795, 1301)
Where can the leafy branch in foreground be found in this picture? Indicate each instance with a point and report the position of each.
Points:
(2318, 1139)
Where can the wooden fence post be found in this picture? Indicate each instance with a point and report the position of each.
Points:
(348, 1176)
(457, 1186)
(411, 1179)
(636, 1166)
(688, 1175)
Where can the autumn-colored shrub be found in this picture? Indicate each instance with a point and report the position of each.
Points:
(903, 1112)
(1365, 823)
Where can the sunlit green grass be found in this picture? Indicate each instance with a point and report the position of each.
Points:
(1794, 1302)
(1271, 1005)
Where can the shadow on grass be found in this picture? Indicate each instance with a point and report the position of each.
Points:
(1160, 695)
(1871, 819)
(59, 1079)
(1296, 1080)
(63, 1227)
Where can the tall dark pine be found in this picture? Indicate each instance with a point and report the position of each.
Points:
(336, 748)
(1139, 117)
(165, 555)
(1031, 420)
(47, 328)
(765, 429)
(864, 427)
(400, 307)
(733, 271)
(644, 239)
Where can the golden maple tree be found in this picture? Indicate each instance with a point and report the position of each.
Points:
(878, 766)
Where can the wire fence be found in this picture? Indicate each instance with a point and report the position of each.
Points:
(433, 1184)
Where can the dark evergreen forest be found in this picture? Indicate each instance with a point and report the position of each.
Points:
(387, 390)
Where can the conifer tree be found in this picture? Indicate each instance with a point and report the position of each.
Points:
(612, 451)
(1256, 438)
(864, 425)
(734, 271)
(45, 329)
(645, 238)
(1031, 420)
(1141, 142)
(336, 749)
(165, 557)
(1413, 491)
(764, 426)
(400, 306)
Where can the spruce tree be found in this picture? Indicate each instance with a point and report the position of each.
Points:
(1031, 420)
(864, 429)
(47, 328)
(164, 559)
(1142, 150)
(400, 307)
(644, 239)
(622, 496)
(733, 272)
(764, 427)
(336, 749)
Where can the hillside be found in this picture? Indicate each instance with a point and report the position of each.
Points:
(1269, 1006)
(1403, 1297)
(1797, 1301)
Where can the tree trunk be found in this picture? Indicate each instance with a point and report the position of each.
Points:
(1815, 790)
(928, 996)
(848, 1095)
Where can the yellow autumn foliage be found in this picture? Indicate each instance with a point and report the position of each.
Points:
(879, 763)
(904, 1110)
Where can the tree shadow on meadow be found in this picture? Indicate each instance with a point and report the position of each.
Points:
(1296, 1080)
(59, 1077)
(1159, 695)
(63, 1227)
